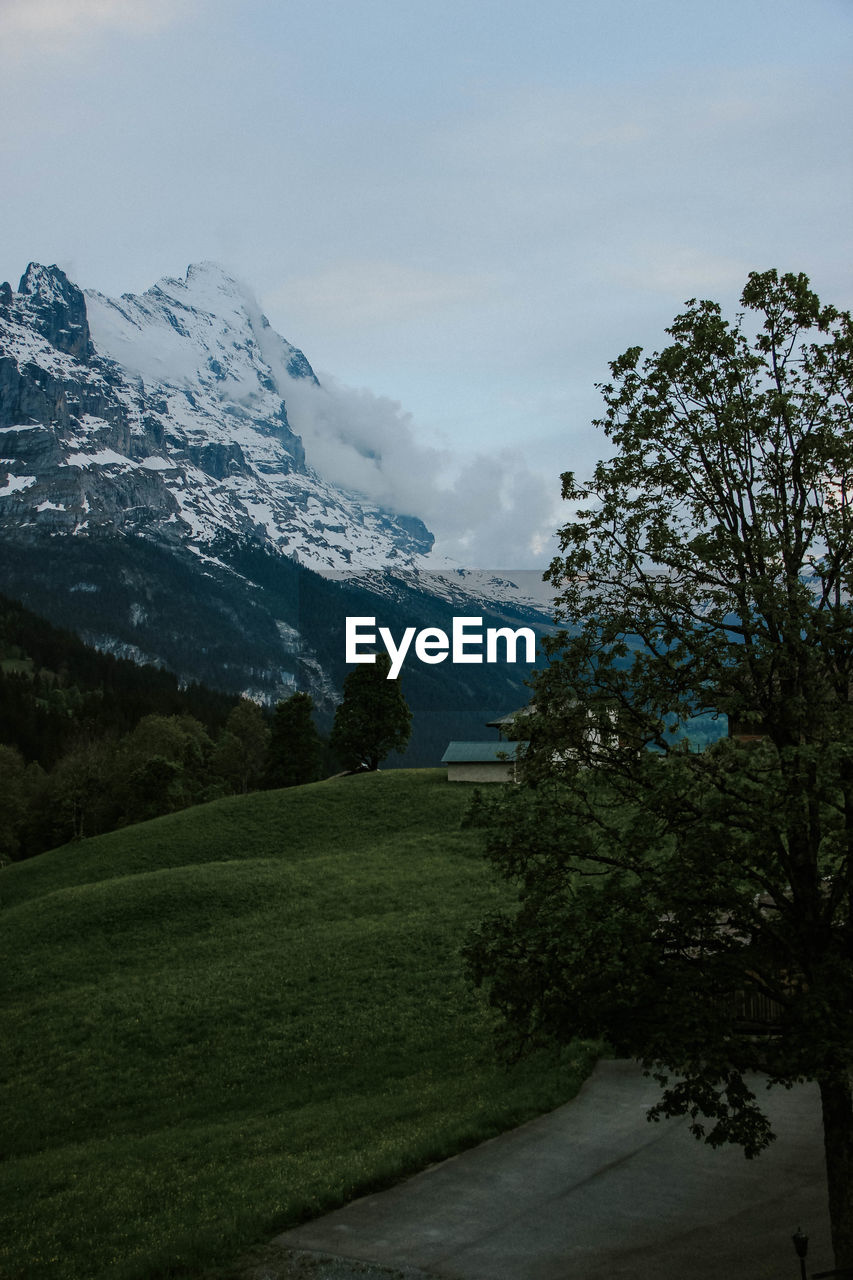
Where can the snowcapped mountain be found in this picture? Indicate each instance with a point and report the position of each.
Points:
(155, 498)
(166, 415)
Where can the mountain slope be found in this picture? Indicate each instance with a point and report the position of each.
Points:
(166, 415)
(155, 497)
(54, 689)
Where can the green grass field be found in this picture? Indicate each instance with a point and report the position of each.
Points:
(224, 1021)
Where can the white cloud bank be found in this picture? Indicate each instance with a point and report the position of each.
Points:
(486, 510)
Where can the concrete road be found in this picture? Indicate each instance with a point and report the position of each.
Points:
(594, 1192)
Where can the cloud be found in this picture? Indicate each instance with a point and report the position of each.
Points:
(496, 513)
(486, 510)
(53, 20)
(363, 442)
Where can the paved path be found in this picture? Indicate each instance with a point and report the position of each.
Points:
(594, 1192)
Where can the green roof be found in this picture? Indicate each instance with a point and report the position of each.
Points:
(481, 752)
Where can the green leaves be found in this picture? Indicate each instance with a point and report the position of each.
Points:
(697, 910)
(373, 719)
(295, 748)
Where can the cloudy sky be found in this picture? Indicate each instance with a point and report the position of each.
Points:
(460, 211)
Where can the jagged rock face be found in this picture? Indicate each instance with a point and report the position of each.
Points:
(155, 497)
(165, 416)
(56, 309)
(153, 492)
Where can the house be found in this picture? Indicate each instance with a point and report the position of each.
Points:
(508, 725)
(482, 761)
(747, 729)
(496, 761)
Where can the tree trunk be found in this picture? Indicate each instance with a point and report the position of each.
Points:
(837, 1102)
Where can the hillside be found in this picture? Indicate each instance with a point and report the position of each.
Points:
(54, 688)
(231, 1018)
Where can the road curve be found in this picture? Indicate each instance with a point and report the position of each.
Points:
(592, 1191)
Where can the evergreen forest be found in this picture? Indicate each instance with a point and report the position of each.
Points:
(90, 742)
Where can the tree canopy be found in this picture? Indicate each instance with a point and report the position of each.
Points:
(295, 749)
(697, 908)
(373, 719)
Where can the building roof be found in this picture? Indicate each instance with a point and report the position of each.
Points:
(501, 721)
(481, 752)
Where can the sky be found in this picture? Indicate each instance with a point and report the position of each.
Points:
(460, 212)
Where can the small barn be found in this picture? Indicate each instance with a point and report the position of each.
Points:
(482, 761)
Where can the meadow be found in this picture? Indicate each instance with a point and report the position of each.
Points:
(221, 1022)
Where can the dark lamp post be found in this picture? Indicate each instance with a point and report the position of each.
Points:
(801, 1245)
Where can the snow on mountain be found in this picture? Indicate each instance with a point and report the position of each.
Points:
(205, 329)
(156, 498)
(165, 415)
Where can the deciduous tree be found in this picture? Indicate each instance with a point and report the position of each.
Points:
(679, 902)
(241, 750)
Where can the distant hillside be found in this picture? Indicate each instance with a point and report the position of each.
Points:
(226, 1020)
(89, 742)
(54, 688)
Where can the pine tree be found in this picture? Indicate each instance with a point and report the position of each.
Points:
(373, 719)
(295, 747)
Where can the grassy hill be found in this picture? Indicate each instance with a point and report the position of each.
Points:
(226, 1020)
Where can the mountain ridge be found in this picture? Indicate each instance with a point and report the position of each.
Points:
(170, 408)
(155, 497)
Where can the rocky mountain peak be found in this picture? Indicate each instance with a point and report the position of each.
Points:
(56, 309)
(214, 274)
(165, 415)
(155, 496)
(206, 328)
